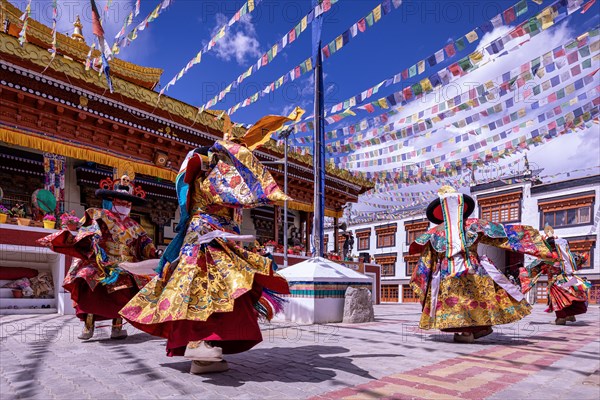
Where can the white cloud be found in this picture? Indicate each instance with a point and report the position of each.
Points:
(493, 69)
(330, 89)
(239, 43)
(574, 151)
(577, 150)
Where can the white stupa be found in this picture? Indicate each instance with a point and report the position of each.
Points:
(317, 288)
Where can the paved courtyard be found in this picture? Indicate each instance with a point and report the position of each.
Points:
(41, 358)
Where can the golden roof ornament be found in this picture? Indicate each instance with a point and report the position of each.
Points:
(125, 168)
(78, 31)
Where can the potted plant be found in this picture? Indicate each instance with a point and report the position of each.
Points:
(49, 221)
(4, 213)
(19, 211)
(69, 221)
(297, 250)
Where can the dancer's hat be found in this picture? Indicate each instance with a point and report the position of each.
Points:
(122, 190)
(434, 209)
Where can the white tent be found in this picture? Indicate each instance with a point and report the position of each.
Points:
(318, 286)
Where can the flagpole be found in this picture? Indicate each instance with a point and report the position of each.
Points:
(319, 159)
(286, 134)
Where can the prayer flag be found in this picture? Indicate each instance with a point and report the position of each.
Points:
(486, 27)
(587, 6)
(509, 15)
(497, 21)
(439, 56)
(361, 25)
(412, 71)
(377, 13)
(472, 36)
(521, 7)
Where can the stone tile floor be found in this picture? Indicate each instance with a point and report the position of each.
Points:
(40, 357)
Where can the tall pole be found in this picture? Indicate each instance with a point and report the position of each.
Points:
(285, 203)
(319, 158)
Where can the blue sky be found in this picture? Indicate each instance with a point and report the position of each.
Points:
(400, 39)
(408, 34)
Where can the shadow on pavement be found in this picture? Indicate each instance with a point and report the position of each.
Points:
(577, 323)
(37, 352)
(312, 364)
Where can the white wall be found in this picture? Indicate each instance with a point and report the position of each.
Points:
(310, 310)
(399, 249)
(569, 232)
(530, 215)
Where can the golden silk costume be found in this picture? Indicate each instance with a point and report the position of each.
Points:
(567, 293)
(459, 289)
(212, 271)
(95, 281)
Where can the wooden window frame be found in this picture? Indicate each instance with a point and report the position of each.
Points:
(387, 260)
(384, 236)
(341, 239)
(389, 289)
(583, 246)
(495, 203)
(572, 202)
(413, 298)
(386, 231)
(410, 259)
(388, 269)
(361, 241)
(364, 235)
(553, 224)
(415, 229)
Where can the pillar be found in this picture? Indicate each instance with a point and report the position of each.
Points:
(276, 212)
(336, 231)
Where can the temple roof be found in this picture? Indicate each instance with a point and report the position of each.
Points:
(130, 81)
(41, 35)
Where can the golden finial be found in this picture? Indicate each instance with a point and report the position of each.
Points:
(446, 189)
(78, 31)
(124, 168)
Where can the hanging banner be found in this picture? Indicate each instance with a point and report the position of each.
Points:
(247, 8)
(124, 41)
(498, 86)
(54, 178)
(275, 50)
(307, 65)
(54, 17)
(25, 19)
(568, 123)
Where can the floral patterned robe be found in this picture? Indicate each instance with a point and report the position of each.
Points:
(480, 296)
(567, 293)
(94, 278)
(213, 272)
